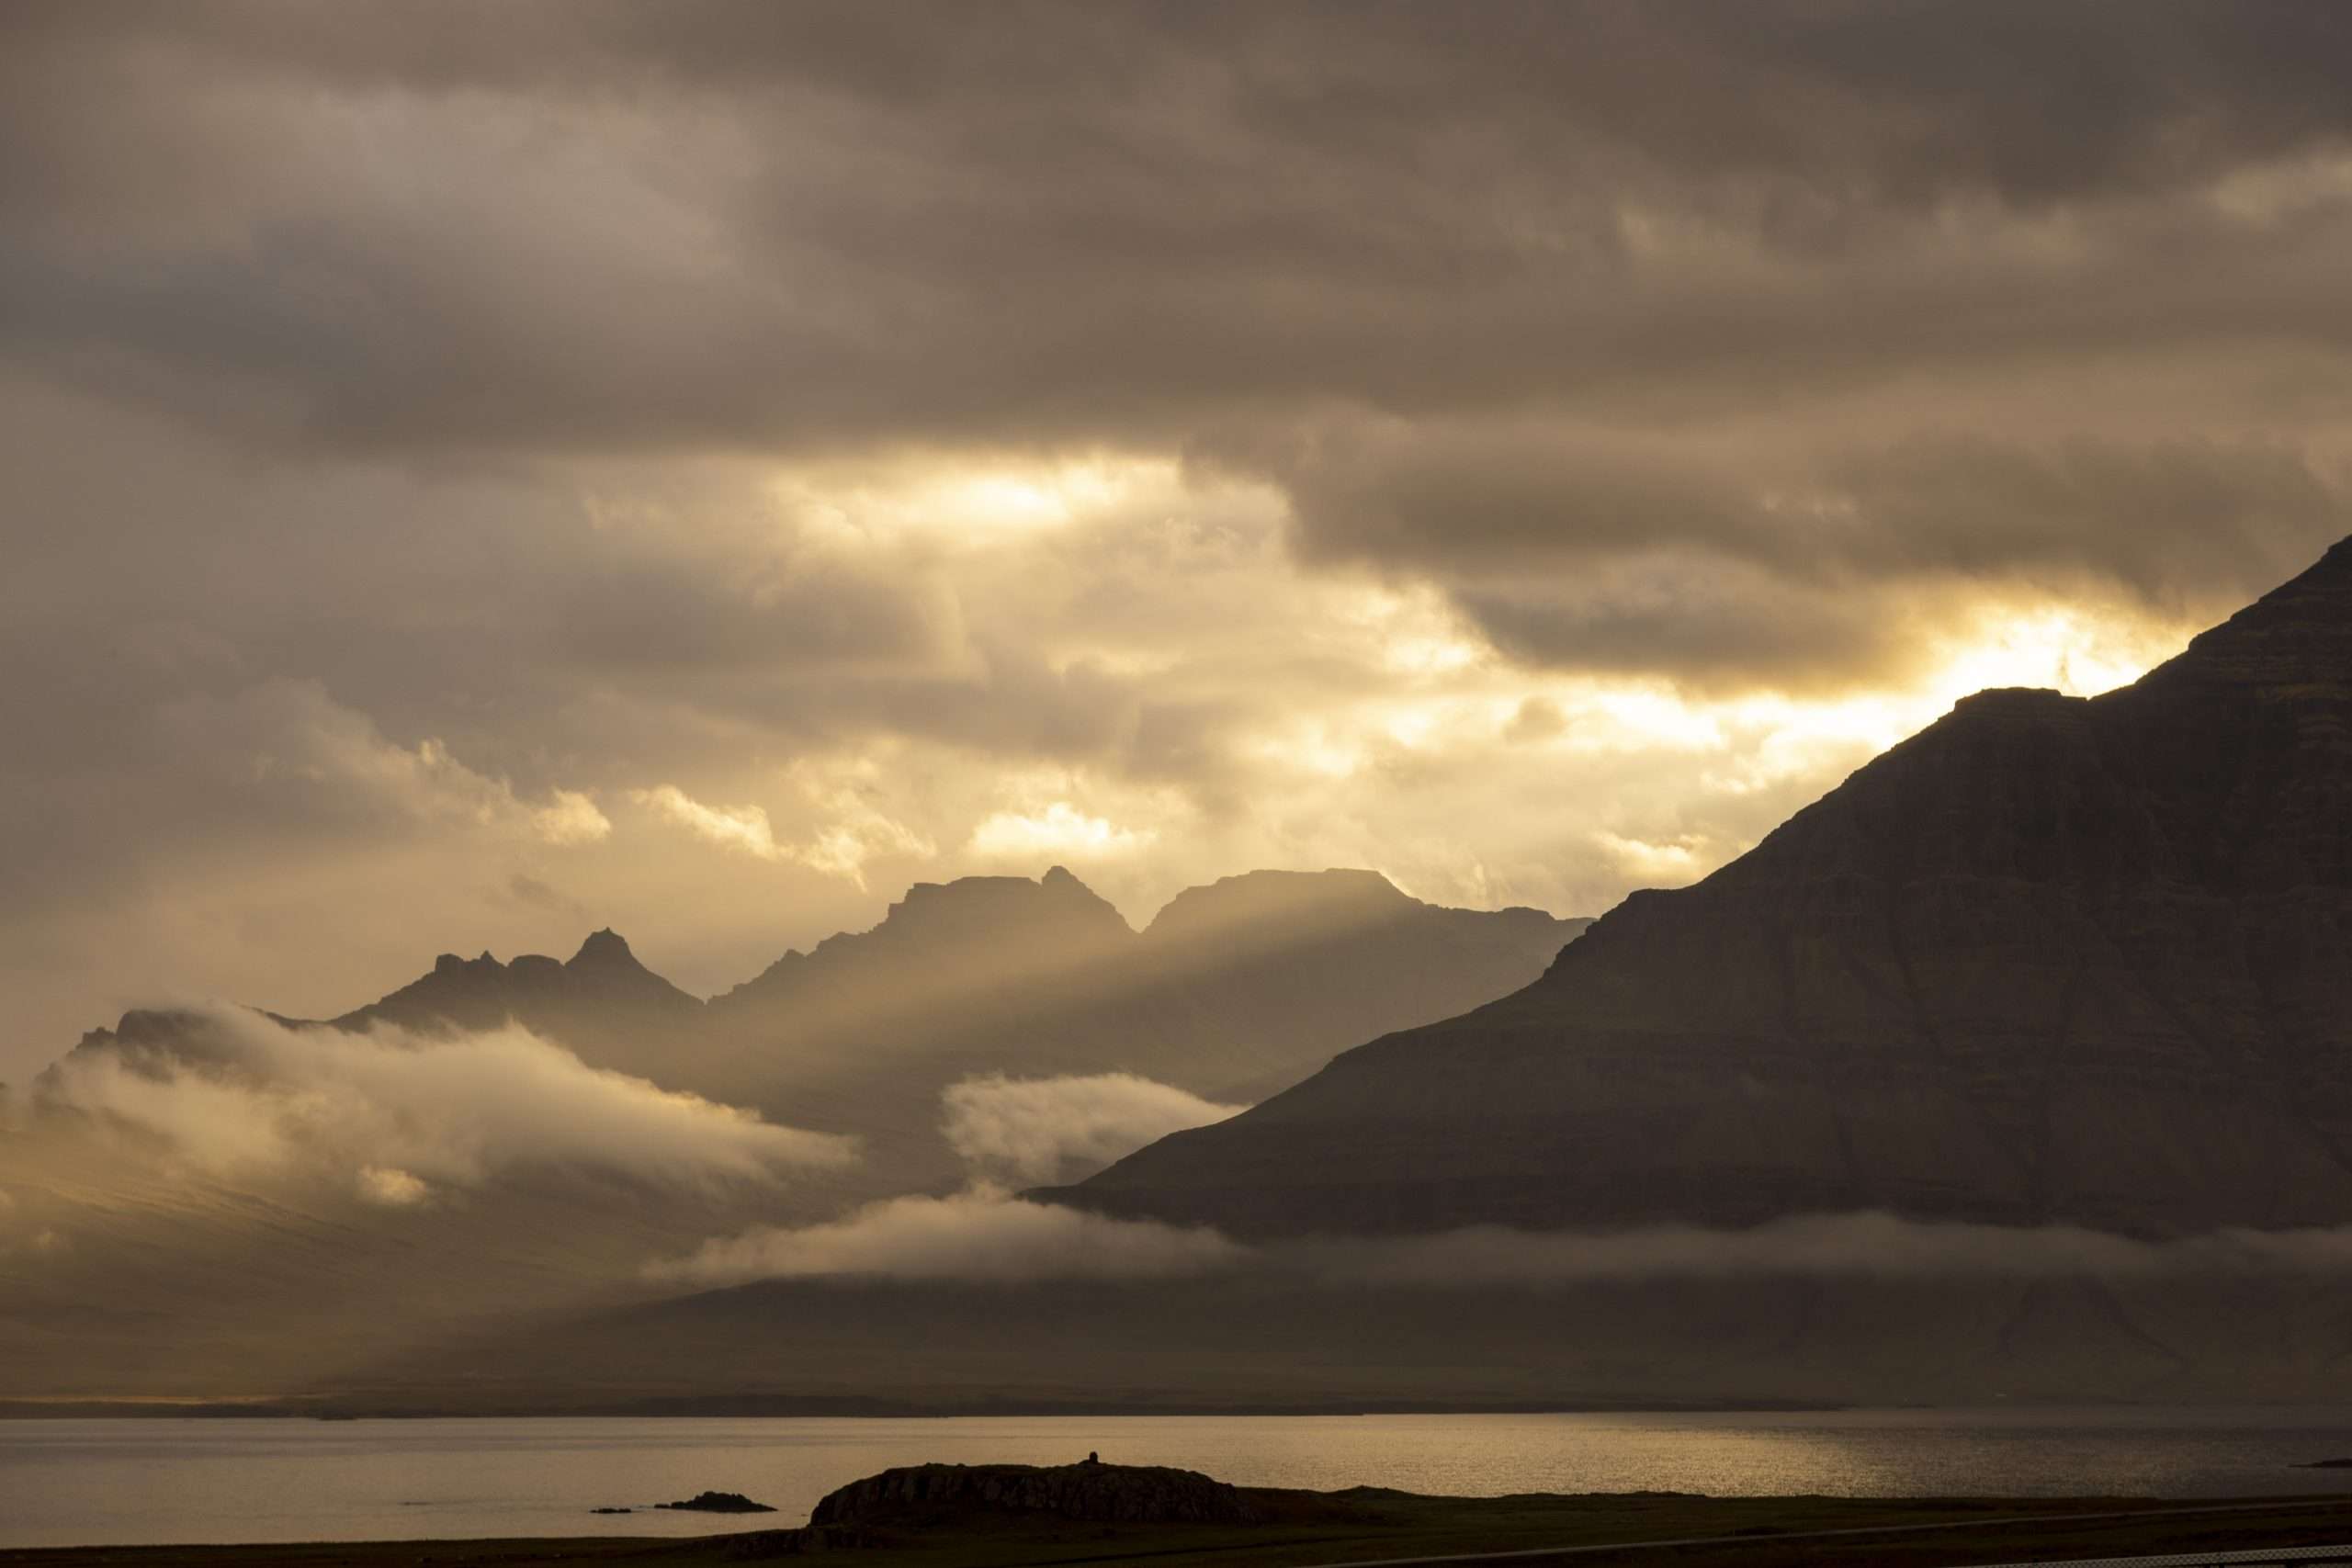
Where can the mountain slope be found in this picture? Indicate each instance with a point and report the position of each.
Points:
(2050, 959)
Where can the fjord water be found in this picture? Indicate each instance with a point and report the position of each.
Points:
(141, 1482)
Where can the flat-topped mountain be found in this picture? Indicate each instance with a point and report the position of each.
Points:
(2051, 959)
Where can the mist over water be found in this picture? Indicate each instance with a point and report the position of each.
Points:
(152, 1482)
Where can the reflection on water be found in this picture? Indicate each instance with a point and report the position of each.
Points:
(121, 1483)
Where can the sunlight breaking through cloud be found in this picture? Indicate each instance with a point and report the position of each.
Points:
(1060, 828)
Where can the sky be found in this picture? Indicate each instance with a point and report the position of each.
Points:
(478, 474)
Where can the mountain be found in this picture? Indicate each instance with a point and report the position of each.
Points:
(1234, 990)
(601, 1001)
(2051, 959)
(1306, 965)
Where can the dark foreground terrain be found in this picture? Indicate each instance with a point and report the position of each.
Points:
(1366, 1525)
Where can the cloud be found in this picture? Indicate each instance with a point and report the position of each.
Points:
(1029, 1131)
(572, 819)
(391, 1189)
(1813, 1245)
(288, 747)
(1795, 552)
(742, 828)
(1059, 830)
(400, 1115)
(848, 834)
(980, 1235)
(984, 1234)
(1005, 1131)
(1482, 213)
(850, 829)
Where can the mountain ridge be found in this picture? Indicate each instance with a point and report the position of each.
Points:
(1262, 978)
(2051, 959)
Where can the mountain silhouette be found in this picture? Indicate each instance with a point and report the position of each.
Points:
(2051, 959)
(1235, 991)
(602, 1002)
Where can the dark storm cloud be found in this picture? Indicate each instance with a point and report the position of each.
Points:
(2033, 99)
(423, 229)
(2153, 511)
(1719, 629)
(2159, 515)
(812, 222)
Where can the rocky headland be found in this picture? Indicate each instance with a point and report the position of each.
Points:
(930, 1494)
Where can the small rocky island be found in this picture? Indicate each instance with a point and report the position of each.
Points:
(718, 1503)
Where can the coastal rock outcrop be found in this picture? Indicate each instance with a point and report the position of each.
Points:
(918, 1496)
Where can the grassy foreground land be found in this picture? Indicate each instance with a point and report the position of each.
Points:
(1303, 1529)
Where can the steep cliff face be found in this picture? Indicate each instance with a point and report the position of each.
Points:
(2050, 959)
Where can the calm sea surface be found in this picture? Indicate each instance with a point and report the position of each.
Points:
(120, 1483)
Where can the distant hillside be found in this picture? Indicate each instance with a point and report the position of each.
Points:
(2050, 959)
(1235, 991)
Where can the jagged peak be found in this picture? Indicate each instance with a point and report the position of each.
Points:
(605, 948)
